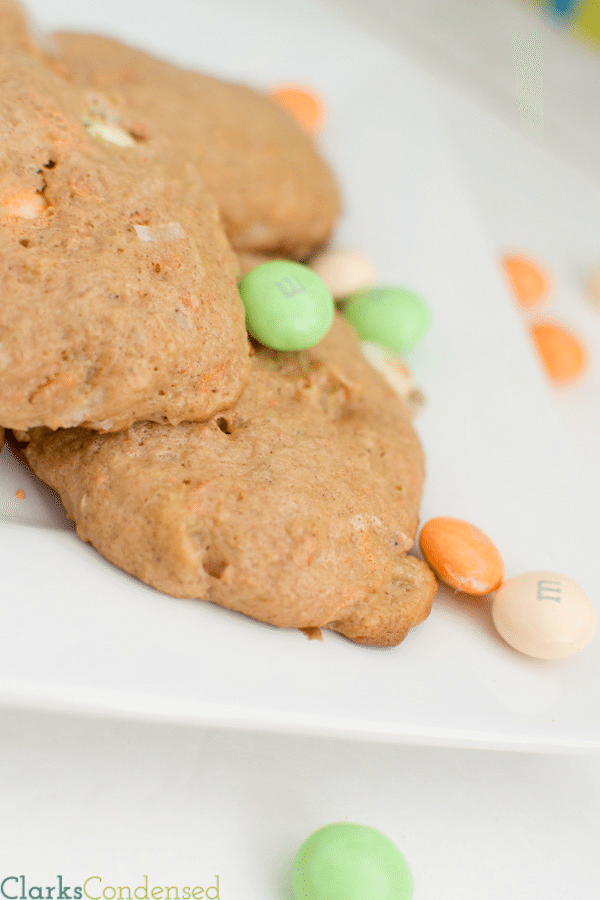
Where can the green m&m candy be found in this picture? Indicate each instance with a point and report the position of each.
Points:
(287, 306)
(390, 316)
(350, 862)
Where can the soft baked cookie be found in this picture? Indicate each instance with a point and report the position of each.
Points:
(247, 260)
(274, 191)
(296, 507)
(14, 28)
(118, 295)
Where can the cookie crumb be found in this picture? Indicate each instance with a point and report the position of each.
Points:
(20, 494)
(313, 633)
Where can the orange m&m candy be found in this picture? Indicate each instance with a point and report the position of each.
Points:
(302, 104)
(562, 354)
(461, 555)
(529, 282)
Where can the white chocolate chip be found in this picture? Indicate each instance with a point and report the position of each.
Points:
(396, 372)
(172, 231)
(26, 205)
(109, 132)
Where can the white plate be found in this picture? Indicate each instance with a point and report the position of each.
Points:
(78, 634)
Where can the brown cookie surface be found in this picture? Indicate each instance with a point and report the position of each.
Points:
(275, 193)
(14, 28)
(118, 293)
(297, 506)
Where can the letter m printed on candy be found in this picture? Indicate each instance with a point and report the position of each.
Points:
(548, 590)
(289, 287)
(276, 323)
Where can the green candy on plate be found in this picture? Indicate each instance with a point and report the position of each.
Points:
(345, 861)
(287, 305)
(392, 317)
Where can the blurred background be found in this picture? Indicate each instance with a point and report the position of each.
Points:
(516, 86)
(535, 64)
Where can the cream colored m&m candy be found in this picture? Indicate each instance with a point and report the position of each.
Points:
(544, 614)
(344, 271)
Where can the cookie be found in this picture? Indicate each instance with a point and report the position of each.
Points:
(296, 507)
(247, 260)
(275, 193)
(119, 297)
(14, 28)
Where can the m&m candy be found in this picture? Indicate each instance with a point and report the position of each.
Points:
(303, 104)
(287, 306)
(461, 555)
(344, 271)
(562, 354)
(390, 316)
(544, 614)
(529, 282)
(345, 861)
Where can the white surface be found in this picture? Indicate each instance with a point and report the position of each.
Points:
(534, 202)
(83, 636)
(534, 171)
(124, 800)
(509, 55)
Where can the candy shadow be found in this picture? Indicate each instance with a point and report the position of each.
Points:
(477, 610)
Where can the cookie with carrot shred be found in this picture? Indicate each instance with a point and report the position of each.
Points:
(298, 506)
(118, 299)
(275, 192)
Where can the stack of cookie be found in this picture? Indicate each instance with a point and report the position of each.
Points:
(133, 194)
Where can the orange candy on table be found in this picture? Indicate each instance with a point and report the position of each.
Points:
(563, 355)
(461, 555)
(302, 104)
(528, 280)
